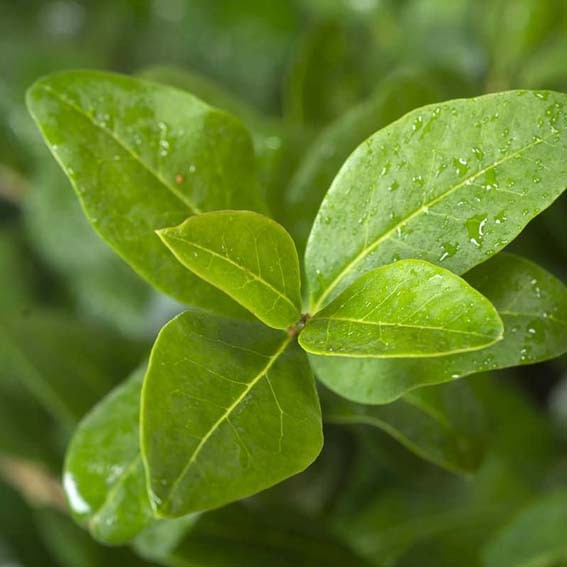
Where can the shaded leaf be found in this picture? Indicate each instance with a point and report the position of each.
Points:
(533, 307)
(248, 256)
(450, 183)
(104, 476)
(443, 425)
(228, 409)
(534, 538)
(407, 309)
(142, 156)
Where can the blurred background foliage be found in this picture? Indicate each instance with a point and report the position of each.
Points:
(311, 79)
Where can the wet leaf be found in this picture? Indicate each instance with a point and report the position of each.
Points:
(104, 476)
(141, 157)
(228, 408)
(248, 256)
(532, 304)
(408, 309)
(451, 183)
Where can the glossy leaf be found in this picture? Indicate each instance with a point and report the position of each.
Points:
(240, 535)
(228, 409)
(248, 256)
(396, 95)
(532, 304)
(535, 537)
(443, 425)
(451, 183)
(67, 364)
(104, 476)
(141, 157)
(407, 309)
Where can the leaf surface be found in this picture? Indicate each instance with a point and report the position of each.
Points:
(143, 156)
(248, 256)
(409, 308)
(451, 183)
(533, 307)
(228, 408)
(104, 476)
(443, 425)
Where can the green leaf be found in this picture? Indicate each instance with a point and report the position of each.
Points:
(443, 425)
(248, 256)
(407, 309)
(240, 535)
(533, 307)
(228, 408)
(534, 538)
(450, 183)
(396, 95)
(65, 363)
(104, 476)
(141, 157)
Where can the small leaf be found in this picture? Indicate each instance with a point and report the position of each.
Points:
(228, 408)
(532, 304)
(535, 537)
(104, 476)
(248, 256)
(409, 308)
(443, 425)
(450, 183)
(141, 157)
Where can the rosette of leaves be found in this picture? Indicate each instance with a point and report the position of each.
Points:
(227, 405)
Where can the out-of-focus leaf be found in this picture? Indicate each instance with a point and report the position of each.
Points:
(531, 302)
(141, 157)
(450, 183)
(534, 538)
(397, 95)
(104, 476)
(243, 535)
(228, 408)
(443, 424)
(248, 256)
(407, 309)
(67, 364)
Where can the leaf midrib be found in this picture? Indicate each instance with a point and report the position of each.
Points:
(424, 207)
(272, 360)
(238, 266)
(183, 198)
(407, 326)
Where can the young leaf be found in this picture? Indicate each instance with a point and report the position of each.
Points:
(409, 308)
(535, 537)
(450, 183)
(228, 408)
(248, 256)
(104, 476)
(532, 304)
(142, 156)
(442, 425)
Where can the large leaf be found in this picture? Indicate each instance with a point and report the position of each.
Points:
(397, 95)
(249, 256)
(532, 304)
(142, 156)
(535, 538)
(407, 309)
(450, 183)
(228, 409)
(240, 535)
(443, 425)
(66, 364)
(104, 476)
